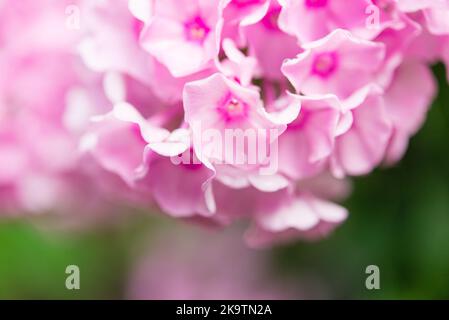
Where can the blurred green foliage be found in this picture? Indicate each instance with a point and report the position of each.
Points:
(33, 260)
(399, 221)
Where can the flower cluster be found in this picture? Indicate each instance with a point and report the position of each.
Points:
(212, 110)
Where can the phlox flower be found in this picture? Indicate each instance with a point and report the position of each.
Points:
(267, 42)
(407, 101)
(183, 35)
(211, 111)
(318, 217)
(244, 12)
(46, 99)
(217, 103)
(309, 140)
(362, 147)
(338, 64)
(111, 42)
(310, 20)
(434, 12)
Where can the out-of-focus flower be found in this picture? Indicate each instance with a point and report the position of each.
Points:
(407, 107)
(435, 13)
(338, 64)
(111, 42)
(309, 140)
(219, 105)
(46, 99)
(196, 264)
(359, 150)
(269, 44)
(310, 20)
(281, 223)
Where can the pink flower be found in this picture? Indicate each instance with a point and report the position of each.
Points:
(415, 5)
(267, 211)
(407, 101)
(309, 140)
(211, 110)
(119, 138)
(361, 148)
(436, 17)
(338, 64)
(112, 40)
(112, 43)
(240, 13)
(426, 47)
(216, 109)
(41, 121)
(169, 88)
(146, 158)
(237, 66)
(310, 20)
(434, 11)
(244, 12)
(23, 23)
(300, 216)
(183, 36)
(181, 188)
(269, 44)
(397, 41)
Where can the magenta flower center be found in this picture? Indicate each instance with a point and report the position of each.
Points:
(300, 121)
(386, 5)
(325, 64)
(233, 109)
(313, 4)
(137, 27)
(196, 30)
(244, 3)
(192, 166)
(270, 21)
